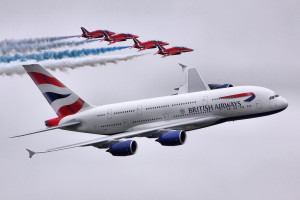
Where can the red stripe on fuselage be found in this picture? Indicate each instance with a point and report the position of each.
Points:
(70, 109)
(238, 95)
(39, 79)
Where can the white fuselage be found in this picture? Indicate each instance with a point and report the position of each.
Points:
(147, 113)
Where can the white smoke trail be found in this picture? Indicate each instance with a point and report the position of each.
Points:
(26, 48)
(7, 42)
(66, 64)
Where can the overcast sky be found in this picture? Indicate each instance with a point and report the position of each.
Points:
(251, 42)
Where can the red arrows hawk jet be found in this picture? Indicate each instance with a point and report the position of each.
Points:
(172, 51)
(147, 45)
(117, 38)
(94, 34)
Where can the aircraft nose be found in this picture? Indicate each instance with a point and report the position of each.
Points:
(284, 103)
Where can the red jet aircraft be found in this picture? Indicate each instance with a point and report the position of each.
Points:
(172, 51)
(147, 45)
(118, 37)
(94, 34)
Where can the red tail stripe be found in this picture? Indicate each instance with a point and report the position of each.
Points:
(39, 79)
(238, 95)
(70, 109)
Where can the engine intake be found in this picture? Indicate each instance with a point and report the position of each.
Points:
(125, 148)
(172, 138)
(219, 86)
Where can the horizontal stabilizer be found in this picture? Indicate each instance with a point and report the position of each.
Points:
(49, 129)
(31, 153)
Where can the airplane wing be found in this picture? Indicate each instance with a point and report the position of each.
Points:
(104, 142)
(146, 47)
(116, 40)
(95, 36)
(191, 81)
(173, 53)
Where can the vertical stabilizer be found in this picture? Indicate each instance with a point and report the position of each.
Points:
(84, 31)
(63, 100)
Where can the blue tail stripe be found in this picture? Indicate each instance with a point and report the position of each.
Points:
(50, 96)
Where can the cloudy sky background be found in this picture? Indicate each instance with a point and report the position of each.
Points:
(252, 42)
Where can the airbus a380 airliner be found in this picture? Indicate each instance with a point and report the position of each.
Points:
(196, 105)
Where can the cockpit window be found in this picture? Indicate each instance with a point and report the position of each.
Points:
(273, 97)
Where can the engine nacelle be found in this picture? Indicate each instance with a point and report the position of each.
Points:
(172, 138)
(219, 86)
(125, 148)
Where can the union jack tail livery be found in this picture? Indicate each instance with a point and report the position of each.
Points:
(63, 100)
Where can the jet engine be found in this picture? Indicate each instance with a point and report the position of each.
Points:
(172, 138)
(219, 86)
(125, 148)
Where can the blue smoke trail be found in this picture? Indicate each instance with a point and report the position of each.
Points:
(58, 55)
(25, 48)
(34, 40)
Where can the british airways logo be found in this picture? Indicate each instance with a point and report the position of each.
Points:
(219, 106)
(251, 96)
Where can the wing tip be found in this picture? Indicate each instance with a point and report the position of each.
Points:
(31, 153)
(183, 66)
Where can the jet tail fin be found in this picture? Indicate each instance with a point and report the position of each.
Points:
(31, 153)
(63, 100)
(105, 34)
(136, 41)
(84, 31)
(162, 50)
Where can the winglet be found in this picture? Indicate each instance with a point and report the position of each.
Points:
(183, 66)
(31, 153)
(191, 81)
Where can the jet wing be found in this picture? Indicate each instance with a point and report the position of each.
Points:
(105, 141)
(173, 53)
(191, 81)
(146, 47)
(116, 40)
(95, 36)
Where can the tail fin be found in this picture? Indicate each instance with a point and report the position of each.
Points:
(84, 31)
(63, 100)
(161, 48)
(105, 34)
(136, 41)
